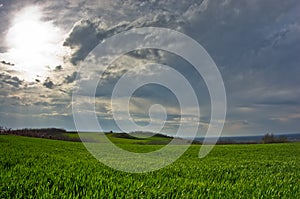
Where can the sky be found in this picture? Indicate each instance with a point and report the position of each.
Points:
(255, 45)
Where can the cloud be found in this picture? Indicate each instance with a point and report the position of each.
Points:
(71, 78)
(88, 33)
(48, 83)
(58, 68)
(82, 39)
(7, 63)
(10, 80)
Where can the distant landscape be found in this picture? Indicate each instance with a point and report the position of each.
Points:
(148, 137)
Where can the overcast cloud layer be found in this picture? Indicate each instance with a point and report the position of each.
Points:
(255, 45)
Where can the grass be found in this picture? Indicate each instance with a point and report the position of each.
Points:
(40, 168)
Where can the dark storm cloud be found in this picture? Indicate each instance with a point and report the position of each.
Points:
(87, 34)
(82, 39)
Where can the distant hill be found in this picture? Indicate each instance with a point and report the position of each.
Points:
(143, 134)
(48, 133)
(144, 138)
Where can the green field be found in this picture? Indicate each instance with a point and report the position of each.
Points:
(41, 168)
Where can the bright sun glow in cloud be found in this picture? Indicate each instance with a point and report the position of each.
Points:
(34, 45)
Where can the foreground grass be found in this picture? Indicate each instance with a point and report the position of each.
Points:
(40, 168)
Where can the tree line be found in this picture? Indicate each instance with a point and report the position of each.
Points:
(49, 133)
(270, 138)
